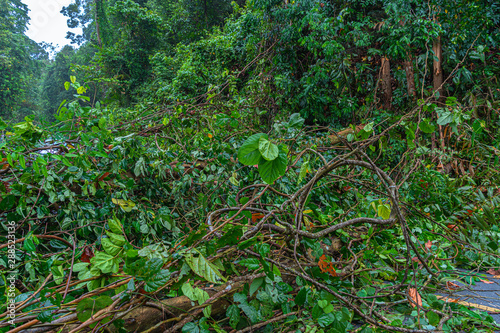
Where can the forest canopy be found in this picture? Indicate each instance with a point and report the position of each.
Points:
(250, 166)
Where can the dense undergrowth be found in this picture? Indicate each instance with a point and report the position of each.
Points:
(150, 205)
(299, 169)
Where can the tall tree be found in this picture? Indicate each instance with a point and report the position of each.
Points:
(17, 57)
(58, 73)
(79, 15)
(437, 66)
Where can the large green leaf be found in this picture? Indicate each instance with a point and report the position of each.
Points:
(249, 153)
(272, 170)
(190, 328)
(118, 240)
(445, 118)
(250, 263)
(478, 125)
(115, 226)
(296, 121)
(110, 247)
(157, 280)
(249, 310)
(426, 127)
(89, 306)
(105, 262)
(255, 285)
(268, 149)
(233, 313)
(384, 211)
(188, 291)
(301, 297)
(433, 318)
(204, 268)
(304, 168)
(326, 319)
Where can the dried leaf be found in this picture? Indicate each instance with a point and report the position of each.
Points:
(452, 285)
(493, 271)
(7, 186)
(103, 176)
(326, 266)
(4, 164)
(87, 254)
(447, 299)
(486, 281)
(256, 217)
(414, 297)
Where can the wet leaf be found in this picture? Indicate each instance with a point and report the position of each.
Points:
(414, 297)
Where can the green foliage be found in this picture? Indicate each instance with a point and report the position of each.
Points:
(178, 127)
(270, 159)
(20, 62)
(204, 268)
(89, 306)
(154, 194)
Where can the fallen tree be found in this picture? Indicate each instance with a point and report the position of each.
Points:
(229, 230)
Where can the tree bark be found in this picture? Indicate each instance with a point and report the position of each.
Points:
(98, 5)
(386, 82)
(205, 10)
(410, 76)
(437, 66)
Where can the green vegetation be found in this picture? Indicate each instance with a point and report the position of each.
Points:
(296, 166)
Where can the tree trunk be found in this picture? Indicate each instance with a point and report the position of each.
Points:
(205, 9)
(98, 5)
(410, 76)
(437, 65)
(386, 82)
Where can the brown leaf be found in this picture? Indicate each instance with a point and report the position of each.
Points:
(4, 164)
(87, 254)
(486, 281)
(326, 266)
(414, 297)
(452, 285)
(493, 271)
(428, 245)
(447, 299)
(415, 259)
(6, 186)
(256, 217)
(103, 176)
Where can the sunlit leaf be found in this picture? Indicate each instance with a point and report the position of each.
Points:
(249, 153)
(204, 268)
